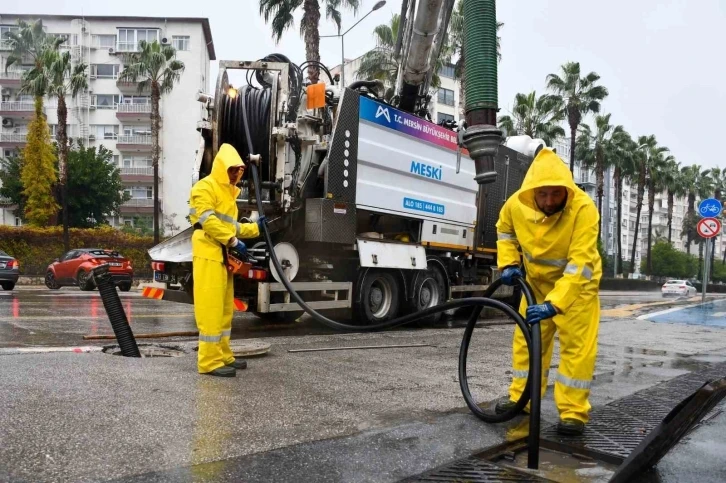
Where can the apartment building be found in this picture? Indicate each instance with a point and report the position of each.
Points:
(115, 114)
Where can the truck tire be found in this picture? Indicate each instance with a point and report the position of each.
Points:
(429, 290)
(379, 298)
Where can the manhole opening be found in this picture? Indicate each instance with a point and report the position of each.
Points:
(149, 350)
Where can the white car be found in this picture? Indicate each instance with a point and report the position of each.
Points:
(678, 287)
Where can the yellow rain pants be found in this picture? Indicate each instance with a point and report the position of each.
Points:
(563, 267)
(214, 210)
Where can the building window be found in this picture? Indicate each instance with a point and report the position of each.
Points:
(107, 41)
(107, 131)
(180, 42)
(114, 160)
(447, 71)
(446, 96)
(137, 130)
(441, 117)
(105, 71)
(140, 192)
(137, 162)
(106, 101)
(18, 221)
(4, 30)
(136, 100)
(128, 39)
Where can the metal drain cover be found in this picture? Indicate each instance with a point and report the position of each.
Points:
(249, 348)
(474, 470)
(148, 350)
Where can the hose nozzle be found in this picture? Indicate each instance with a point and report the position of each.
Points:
(482, 142)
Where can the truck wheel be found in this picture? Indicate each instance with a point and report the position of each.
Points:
(379, 298)
(429, 290)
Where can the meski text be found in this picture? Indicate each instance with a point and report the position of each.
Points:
(423, 169)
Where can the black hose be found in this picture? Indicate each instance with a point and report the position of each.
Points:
(115, 311)
(533, 385)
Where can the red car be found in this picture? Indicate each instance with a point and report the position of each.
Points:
(74, 268)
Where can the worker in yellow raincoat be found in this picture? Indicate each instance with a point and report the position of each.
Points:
(214, 216)
(555, 224)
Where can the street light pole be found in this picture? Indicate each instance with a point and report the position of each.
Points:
(377, 6)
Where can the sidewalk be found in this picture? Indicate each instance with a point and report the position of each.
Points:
(347, 415)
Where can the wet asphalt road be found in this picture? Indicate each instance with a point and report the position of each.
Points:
(37, 317)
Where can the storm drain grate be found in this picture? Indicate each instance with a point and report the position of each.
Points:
(474, 470)
(618, 428)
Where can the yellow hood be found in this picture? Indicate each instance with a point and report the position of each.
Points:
(547, 169)
(226, 158)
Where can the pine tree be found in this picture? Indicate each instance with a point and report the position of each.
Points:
(38, 171)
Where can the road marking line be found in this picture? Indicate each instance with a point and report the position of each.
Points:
(676, 309)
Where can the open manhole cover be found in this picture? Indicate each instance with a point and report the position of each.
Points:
(148, 350)
(247, 348)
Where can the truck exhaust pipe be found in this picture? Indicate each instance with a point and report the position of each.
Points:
(482, 137)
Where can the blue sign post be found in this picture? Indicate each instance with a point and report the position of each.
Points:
(709, 208)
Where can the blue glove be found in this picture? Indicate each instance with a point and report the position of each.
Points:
(261, 221)
(239, 250)
(509, 274)
(538, 313)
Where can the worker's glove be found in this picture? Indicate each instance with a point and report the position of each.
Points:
(538, 313)
(261, 222)
(509, 274)
(238, 249)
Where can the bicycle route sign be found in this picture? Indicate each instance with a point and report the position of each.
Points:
(708, 227)
(709, 208)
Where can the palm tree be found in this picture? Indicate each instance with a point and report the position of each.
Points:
(456, 48)
(382, 64)
(592, 150)
(621, 149)
(640, 178)
(581, 96)
(698, 184)
(30, 41)
(537, 117)
(657, 164)
(282, 14)
(155, 68)
(675, 189)
(65, 79)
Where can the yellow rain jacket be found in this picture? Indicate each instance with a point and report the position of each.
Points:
(563, 267)
(214, 209)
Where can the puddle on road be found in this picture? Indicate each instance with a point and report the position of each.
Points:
(563, 468)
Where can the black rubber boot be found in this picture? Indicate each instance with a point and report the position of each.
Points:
(238, 364)
(224, 371)
(570, 427)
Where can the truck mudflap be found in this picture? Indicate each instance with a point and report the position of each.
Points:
(181, 296)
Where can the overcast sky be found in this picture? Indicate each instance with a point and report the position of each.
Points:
(662, 60)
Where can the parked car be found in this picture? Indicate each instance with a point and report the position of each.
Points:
(74, 268)
(678, 287)
(9, 271)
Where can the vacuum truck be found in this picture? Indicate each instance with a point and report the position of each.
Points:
(372, 208)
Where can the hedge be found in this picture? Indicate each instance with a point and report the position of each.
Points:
(36, 248)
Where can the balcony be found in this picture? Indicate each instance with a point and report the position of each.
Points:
(13, 140)
(133, 174)
(134, 112)
(134, 143)
(138, 205)
(17, 109)
(11, 78)
(5, 45)
(129, 87)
